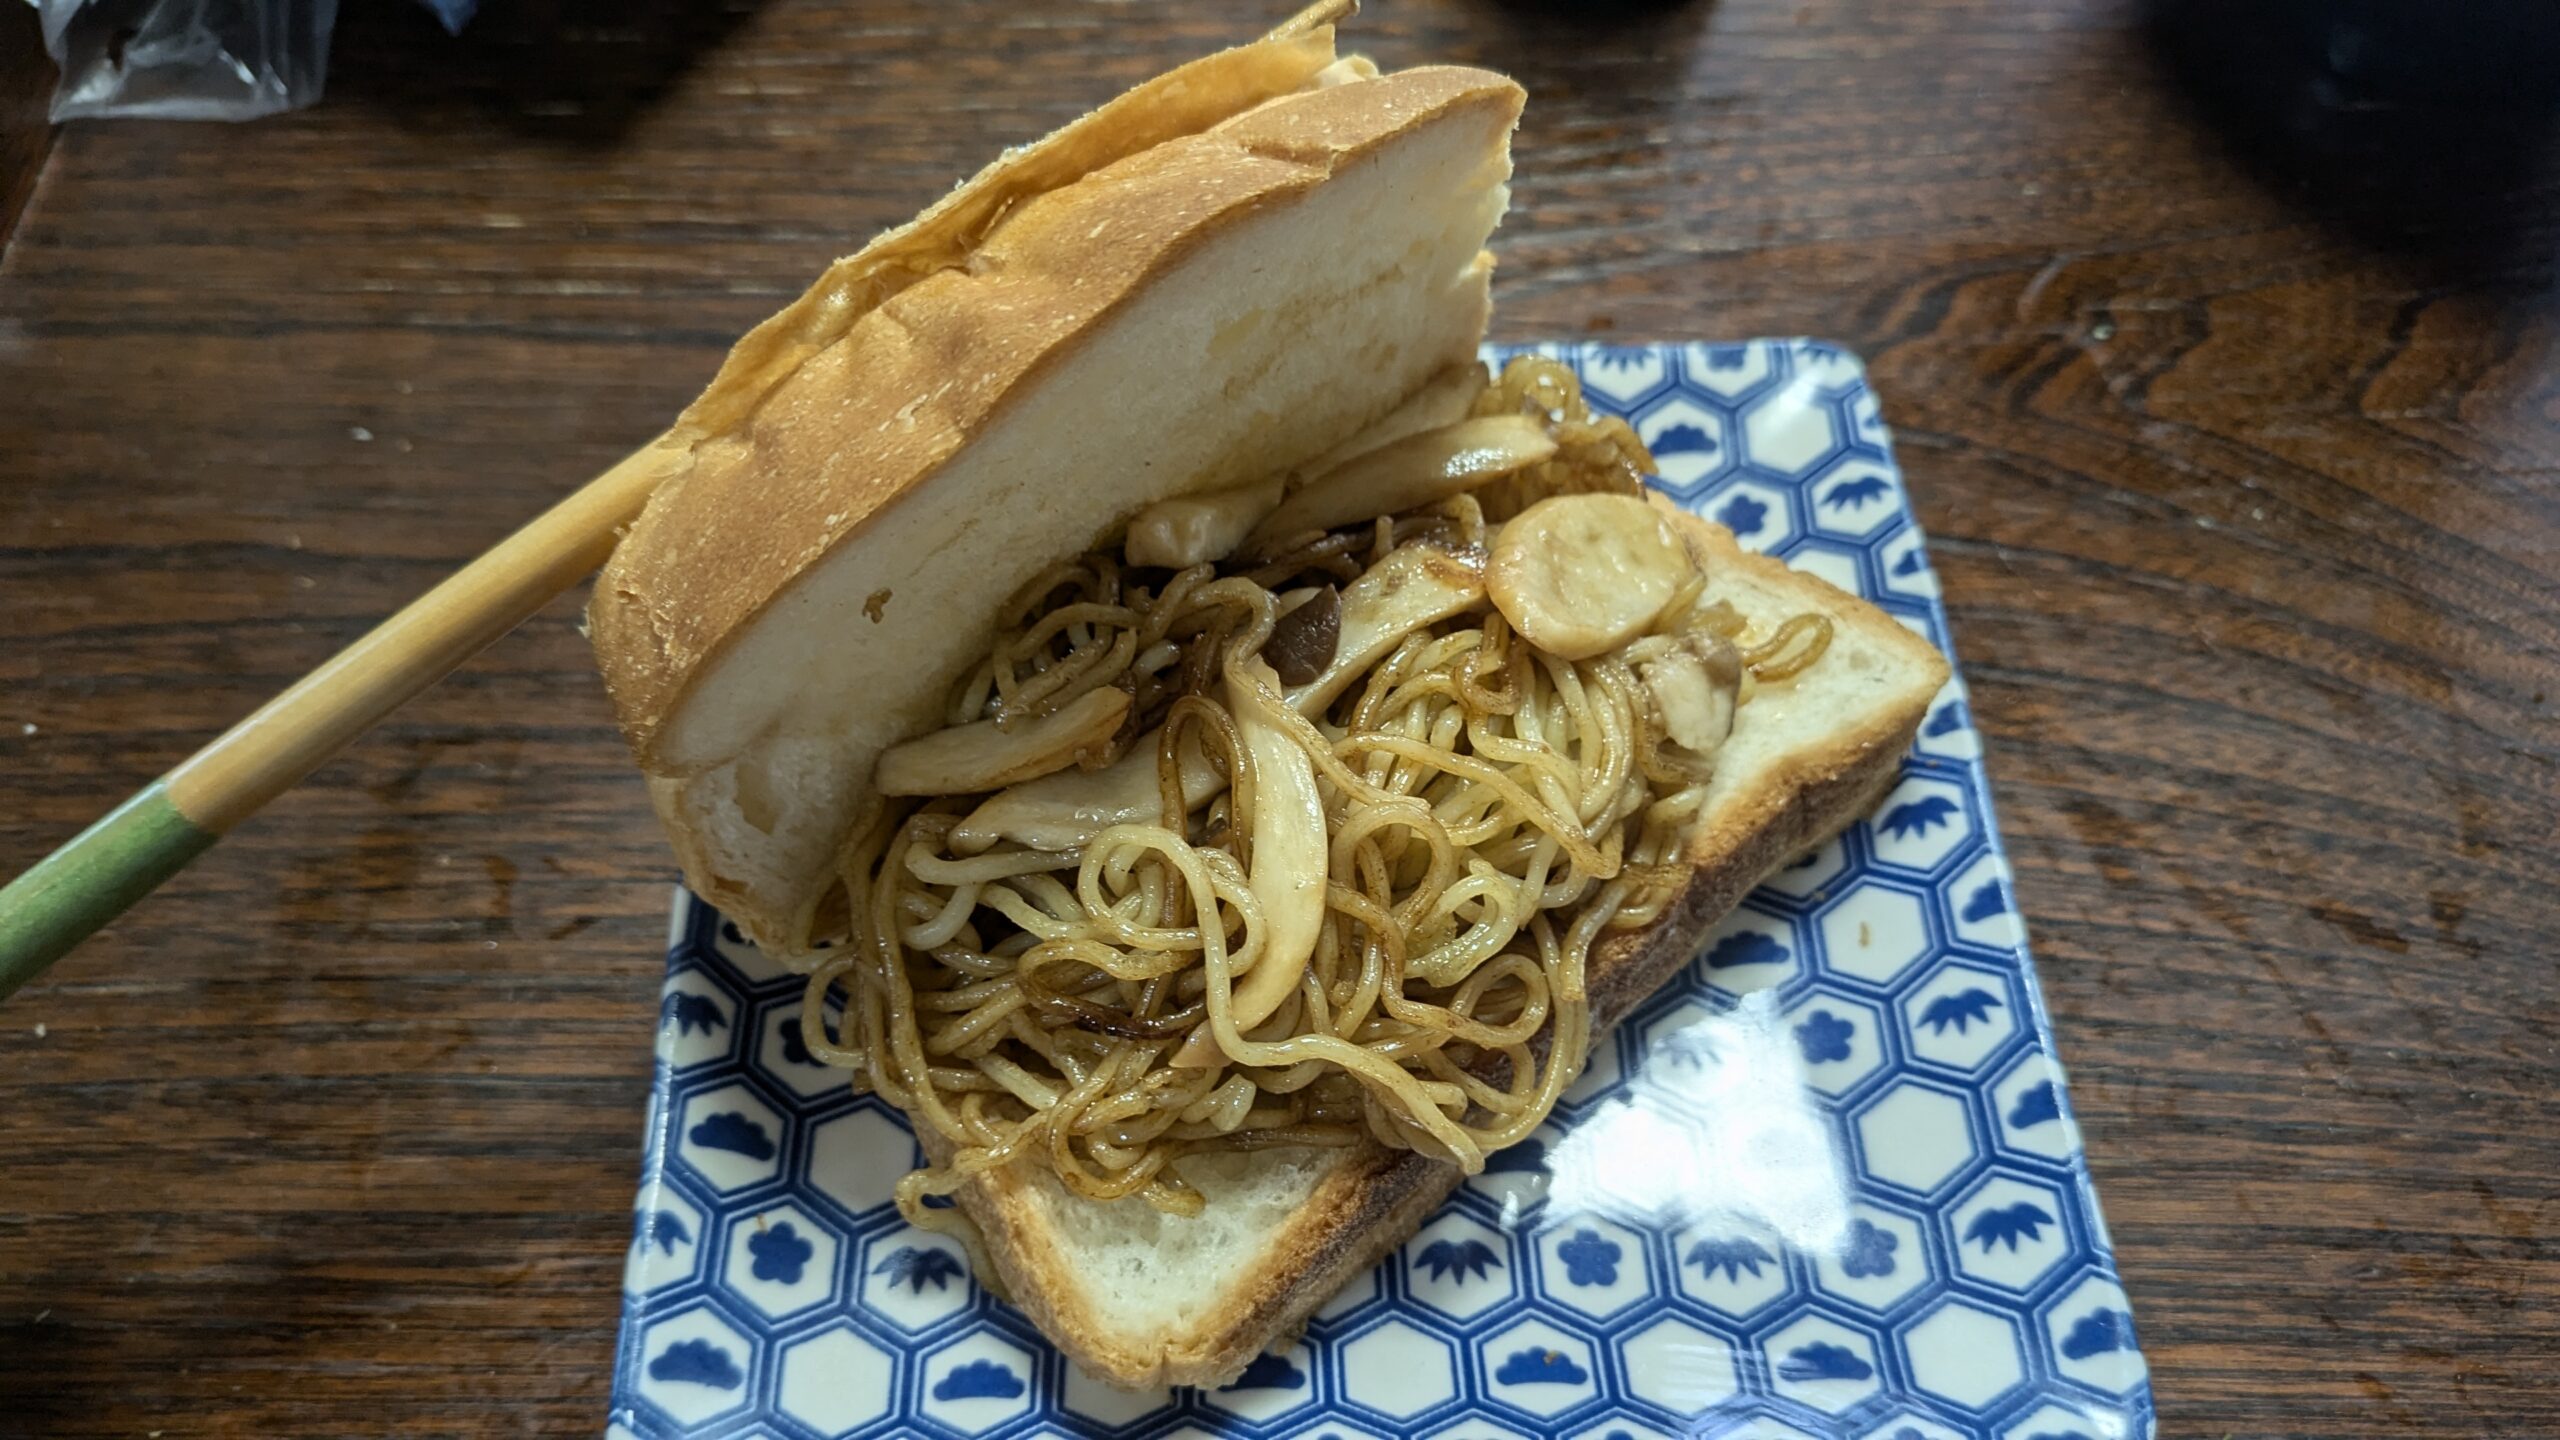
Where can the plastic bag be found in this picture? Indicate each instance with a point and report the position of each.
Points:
(187, 59)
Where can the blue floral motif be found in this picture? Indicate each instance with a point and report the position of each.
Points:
(780, 1254)
(1869, 1251)
(1590, 1258)
(1824, 1038)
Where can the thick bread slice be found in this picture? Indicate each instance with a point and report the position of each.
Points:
(1218, 307)
(1140, 1299)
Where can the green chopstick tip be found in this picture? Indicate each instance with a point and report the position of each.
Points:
(91, 880)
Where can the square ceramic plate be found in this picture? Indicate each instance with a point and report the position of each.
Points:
(1826, 1183)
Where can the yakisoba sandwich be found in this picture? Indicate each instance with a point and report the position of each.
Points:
(1225, 752)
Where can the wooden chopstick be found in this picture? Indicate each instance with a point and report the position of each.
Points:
(103, 870)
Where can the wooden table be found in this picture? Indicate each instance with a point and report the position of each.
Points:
(2240, 463)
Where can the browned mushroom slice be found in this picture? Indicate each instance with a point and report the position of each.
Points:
(1416, 585)
(970, 759)
(1415, 471)
(1061, 811)
(1196, 529)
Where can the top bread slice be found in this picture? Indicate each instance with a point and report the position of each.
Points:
(1142, 1299)
(1220, 304)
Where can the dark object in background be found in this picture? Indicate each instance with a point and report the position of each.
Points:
(187, 59)
(2412, 123)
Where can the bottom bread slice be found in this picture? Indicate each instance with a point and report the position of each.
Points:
(1140, 1299)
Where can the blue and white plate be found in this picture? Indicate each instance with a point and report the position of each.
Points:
(1825, 1184)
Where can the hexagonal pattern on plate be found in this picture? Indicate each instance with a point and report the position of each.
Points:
(1920, 824)
(1856, 497)
(1621, 375)
(780, 1260)
(2028, 1102)
(666, 1240)
(785, 1055)
(1732, 1271)
(1591, 1265)
(1750, 951)
(2009, 1232)
(1399, 1370)
(1757, 514)
(1687, 440)
(913, 1278)
(1839, 1040)
(1459, 1268)
(977, 1382)
(1947, 730)
(1090, 1399)
(697, 1019)
(1980, 905)
(731, 1138)
(1836, 565)
(695, 1365)
(2089, 1330)
(836, 1382)
(1727, 370)
(1878, 1261)
(1964, 1354)
(1270, 1387)
(1815, 1360)
(1676, 1365)
(1874, 932)
(1537, 1367)
(1810, 877)
(855, 1159)
(1789, 437)
(1916, 1138)
(1960, 1017)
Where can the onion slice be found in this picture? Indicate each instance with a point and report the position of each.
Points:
(974, 758)
(1415, 471)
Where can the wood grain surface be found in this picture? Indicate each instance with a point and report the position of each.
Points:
(2221, 360)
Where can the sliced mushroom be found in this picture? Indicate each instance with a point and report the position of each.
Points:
(1416, 585)
(1197, 529)
(1417, 470)
(1580, 575)
(1060, 812)
(1695, 684)
(967, 759)
(1304, 640)
(1288, 871)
